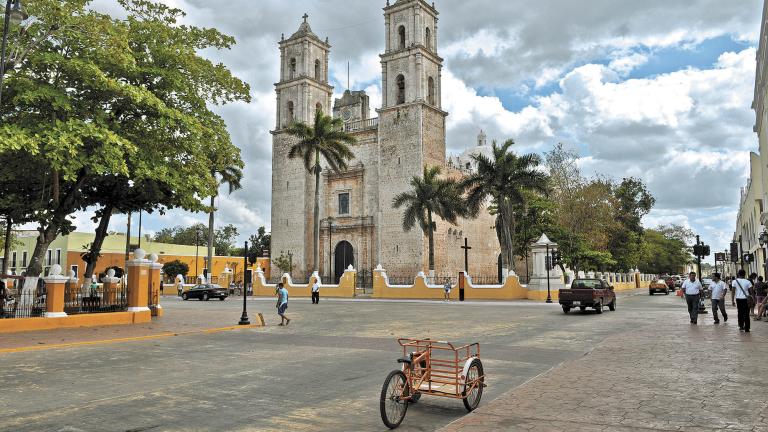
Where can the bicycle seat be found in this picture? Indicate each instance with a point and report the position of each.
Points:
(404, 360)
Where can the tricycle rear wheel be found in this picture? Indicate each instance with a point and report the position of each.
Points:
(391, 405)
(472, 397)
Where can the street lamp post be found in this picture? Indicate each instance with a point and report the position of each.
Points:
(330, 249)
(548, 264)
(244, 317)
(14, 14)
(763, 239)
(197, 256)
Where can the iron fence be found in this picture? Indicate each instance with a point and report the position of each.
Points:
(20, 303)
(79, 300)
(486, 280)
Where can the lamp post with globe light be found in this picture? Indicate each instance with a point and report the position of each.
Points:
(14, 14)
(763, 239)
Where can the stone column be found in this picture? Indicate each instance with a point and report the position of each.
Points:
(110, 284)
(537, 286)
(384, 87)
(154, 286)
(54, 293)
(138, 275)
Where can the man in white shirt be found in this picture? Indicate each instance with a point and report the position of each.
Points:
(316, 292)
(741, 288)
(692, 289)
(718, 289)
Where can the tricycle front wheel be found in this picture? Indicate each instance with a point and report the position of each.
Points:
(473, 387)
(392, 405)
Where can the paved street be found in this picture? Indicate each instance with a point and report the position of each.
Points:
(325, 370)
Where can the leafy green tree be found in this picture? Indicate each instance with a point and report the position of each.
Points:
(504, 178)
(633, 201)
(325, 138)
(430, 195)
(195, 235)
(85, 102)
(664, 251)
(175, 267)
(284, 263)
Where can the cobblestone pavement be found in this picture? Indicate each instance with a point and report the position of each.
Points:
(668, 375)
(325, 370)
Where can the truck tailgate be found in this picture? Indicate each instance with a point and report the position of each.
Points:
(573, 295)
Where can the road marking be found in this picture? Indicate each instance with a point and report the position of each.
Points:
(127, 339)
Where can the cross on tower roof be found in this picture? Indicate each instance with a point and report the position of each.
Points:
(305, 16)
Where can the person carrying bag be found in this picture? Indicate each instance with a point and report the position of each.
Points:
(741, 286)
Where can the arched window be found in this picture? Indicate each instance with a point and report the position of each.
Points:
(428, 38)
(401, 37)
(400, 89)
(431, 91)
(290, 111)
(317, 70)
(319, 107)
(292, 68)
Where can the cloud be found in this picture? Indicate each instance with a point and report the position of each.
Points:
(686, 132)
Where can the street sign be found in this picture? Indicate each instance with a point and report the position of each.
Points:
(720, 256)
(748, 257)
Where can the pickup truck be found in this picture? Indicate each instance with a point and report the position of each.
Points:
(584, 293)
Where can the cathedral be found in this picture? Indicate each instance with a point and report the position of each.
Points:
(358, 225)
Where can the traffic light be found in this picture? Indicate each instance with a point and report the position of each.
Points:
(705, 252)
(697, 250)
(748, 257)
(734, 252)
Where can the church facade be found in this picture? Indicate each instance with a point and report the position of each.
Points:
(359, 226)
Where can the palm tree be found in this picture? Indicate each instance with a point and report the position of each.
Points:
(430, 195)
(231, 175)
(504, 178)
(327, 139)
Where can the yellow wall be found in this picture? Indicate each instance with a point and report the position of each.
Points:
(345, 288)
(420, 290)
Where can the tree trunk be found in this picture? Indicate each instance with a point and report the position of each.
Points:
(316, 218)
(7, 247)
(98, 241)
(209, 266)
(507, 247)
(430, 233)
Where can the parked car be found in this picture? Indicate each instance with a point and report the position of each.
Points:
(205, 292)
(659, 285)
(584, 293)
(678, 281)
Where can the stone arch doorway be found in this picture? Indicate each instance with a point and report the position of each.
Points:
(344, 256)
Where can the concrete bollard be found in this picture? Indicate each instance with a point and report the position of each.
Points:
(138, 275)
(54, 293)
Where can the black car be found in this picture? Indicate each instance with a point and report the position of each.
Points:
(205, 292)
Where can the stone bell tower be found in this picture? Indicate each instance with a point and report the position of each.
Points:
(303, 90)
(411, 120)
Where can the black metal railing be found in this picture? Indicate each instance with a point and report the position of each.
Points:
(20, 303)
(79, 300)
(486, 280)
(401, 280)
(442, 280)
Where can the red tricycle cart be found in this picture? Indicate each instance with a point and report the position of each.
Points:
(434, 368)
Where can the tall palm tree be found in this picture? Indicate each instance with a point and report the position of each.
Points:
(504, 178)
(430, 195)
(325, 138)
(231, 175)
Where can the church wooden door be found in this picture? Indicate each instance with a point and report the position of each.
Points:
(343, 257)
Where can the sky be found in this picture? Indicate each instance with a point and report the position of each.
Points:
(659, 90)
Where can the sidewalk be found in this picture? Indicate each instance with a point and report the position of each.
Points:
(174, 321)
(667, 376)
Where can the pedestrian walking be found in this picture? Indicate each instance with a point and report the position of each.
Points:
(692, 289)
(760, 290)
(741, 287)
(180, 286)
(718, 289)
(447, 289)
(282, 303)
(761, 309)
(316, 292)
